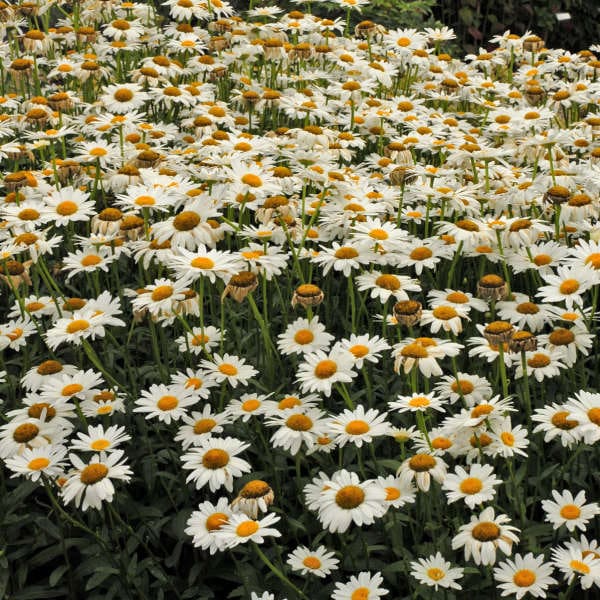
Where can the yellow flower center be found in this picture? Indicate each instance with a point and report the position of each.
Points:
(508, 439)
(250, 405)
(542, 259)
(419, 401)
(361, 593)
(101, 444)
(486, 531)
(471, 485)
(215, 459)
(538, 361)
(186, 220)
(299, 422)
(288, 402)
(71, 389)
(594, 415)
(414, 350)
(162, 292)
(524, 578)
(304, 336)
(66, 208)
(257, 488)
(561, 337)
(202, 262)
(204, 426)
(422, 462)
(93, 473)
(579, 566)
(560, 421)
(167, 403)
(527, 308)
(357, 427)
(441, 443)
(28, 214)
(435, 573)
(359, 350)
(252, 180)
(123, 95)
(90, 260)
(349, 497)
(593, 260)
(421, 253)
(312, 562)
(391, 494)
(247, 528)
(216, 521)
(444, 313)
(77, 325)
(325, 369)
(37, 464)
(228, 369)
(346, 253)
(379, 234)
(569, 286)
(570, 511)
(388, 282)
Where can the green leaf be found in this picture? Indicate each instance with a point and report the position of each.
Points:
(57, 574)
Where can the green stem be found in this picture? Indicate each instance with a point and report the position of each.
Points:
(277, 572)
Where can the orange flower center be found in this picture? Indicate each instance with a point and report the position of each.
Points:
(66, 208)
(162, 292)
(93, 473)
(357, 427)
(37, 464)
(299, 422)
(359, 350)
(202, 262)
(524, 578)
(167, 403)
(204, 426)
(123, 95)
(486, 531)
(312, 562)
(349, 497)
(247, 528)
(538, 361)
(77, 325)
(252, 180)
(228, 369)
(569, 286)
(435, 573)
(570, 511)
(345, 253)
(392, 493)
(471, 485)
(326, 369)
(422, 462)
(421, 253)
(304, 336)
(215, 459)
(186, 220)
(71, 389)
(216, 521)
(379, 234)
(388, 282)
(100, 445)
(90, 260)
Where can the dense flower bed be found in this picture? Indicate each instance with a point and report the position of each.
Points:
(290, 307)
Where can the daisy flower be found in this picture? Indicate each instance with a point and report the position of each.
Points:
(215, 462)
(575, 563)
(484, 535)
(97, 439)
(397, 492)
(474, 487)
(159, 297)
(524, 575)
(436, 572)
(423, 352)
(556, 420)
(569, 511)
(542, 363)
(344, 500)
(343, 258)
(417, 402)
(123, 98)
(91, 484)
(240, 529)
(296, 427)
(444, 317)
(78, 385)
(385, 285)
(229, 368)
(304, 336)
(247, 406)
(103, 404)
(567, 285)
(35, 462)
(423, 254)
(357, 426)
(570, 341)
(421, 468)
(88, 260)
(472, 388)
(318, 562)
(364, 348)
(320, 371)
(363, 586)
(82, 324)
(585, 409)
(200, 426)
(67, 205)
(200, 339)
(204, 523)
(523, 313)
(254, 497)
(167, 402)
(203, 262)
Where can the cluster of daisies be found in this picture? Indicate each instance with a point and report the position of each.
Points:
(351, 253)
